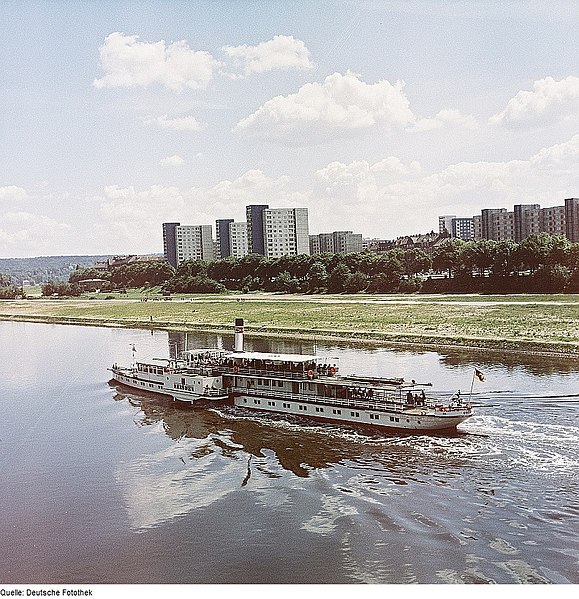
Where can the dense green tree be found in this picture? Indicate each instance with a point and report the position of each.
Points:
(194, 284)
(61, 288)
(447, 256)
(338, 279)
(358, 281)
(7, 289)
(317, 278)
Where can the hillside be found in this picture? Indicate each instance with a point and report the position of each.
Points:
(44, 268)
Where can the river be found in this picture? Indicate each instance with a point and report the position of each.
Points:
(99, 484)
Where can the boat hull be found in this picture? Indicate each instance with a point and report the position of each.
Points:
(171, 387)
(405, 420)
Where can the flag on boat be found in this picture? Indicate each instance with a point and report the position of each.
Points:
(479, 375)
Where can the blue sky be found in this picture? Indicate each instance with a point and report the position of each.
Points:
(376, 115)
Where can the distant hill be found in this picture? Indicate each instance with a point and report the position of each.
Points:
(45, 268)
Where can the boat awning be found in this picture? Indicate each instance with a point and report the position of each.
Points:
(296, 358)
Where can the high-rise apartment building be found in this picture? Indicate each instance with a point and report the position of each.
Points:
(222, 237)
(170, 243)
(255, 238)
(459, 227)
(238, 239)
(194, 242)
(285, 231)
(445, 223)
(338, 242)
(552, 221)
(526, 219)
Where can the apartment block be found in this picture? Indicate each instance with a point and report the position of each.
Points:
(552, 221)
(194, 242)
(526, 219)
(255, 230)
(223, 248)
(238, 240)
(338, 242)
(170, 243)
(285, 231)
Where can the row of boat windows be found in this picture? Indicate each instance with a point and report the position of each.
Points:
(335, 411)
(150, 385)
(266, 382)
(149, 368)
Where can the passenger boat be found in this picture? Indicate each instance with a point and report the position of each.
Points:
(303, 385)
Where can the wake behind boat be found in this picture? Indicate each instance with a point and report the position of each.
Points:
(303, 385)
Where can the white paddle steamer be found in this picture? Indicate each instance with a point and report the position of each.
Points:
(303, 385)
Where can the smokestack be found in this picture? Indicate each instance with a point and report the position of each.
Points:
(238, 347)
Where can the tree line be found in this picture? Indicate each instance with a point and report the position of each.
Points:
(540, 263)
(7, 288)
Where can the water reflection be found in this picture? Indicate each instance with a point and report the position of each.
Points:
(217, 450)
(532, 363)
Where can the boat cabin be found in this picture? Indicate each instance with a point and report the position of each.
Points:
(283, 365)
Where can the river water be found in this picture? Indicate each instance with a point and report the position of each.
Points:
(99, 484)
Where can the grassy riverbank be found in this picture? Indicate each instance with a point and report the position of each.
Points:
(527, 323)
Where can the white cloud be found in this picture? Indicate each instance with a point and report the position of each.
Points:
(25, 233)
(445, 118)
(174, 160)
(317, 112)
(549, 102)
(128, 62)
(253, 187)
(343, 105)
(184, 123)
(280, 53)
(129, 220)
(12, 193)
(412, 201)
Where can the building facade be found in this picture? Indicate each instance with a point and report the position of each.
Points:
(552, 221)
(194, 242)
(285, 232)
(223, 248)
(170, 243)
(338, 242)
(255, 231)
(525, 220)
(238, 239)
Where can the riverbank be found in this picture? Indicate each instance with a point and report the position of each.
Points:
(539, 324)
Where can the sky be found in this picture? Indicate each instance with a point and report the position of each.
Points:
(376, 115)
